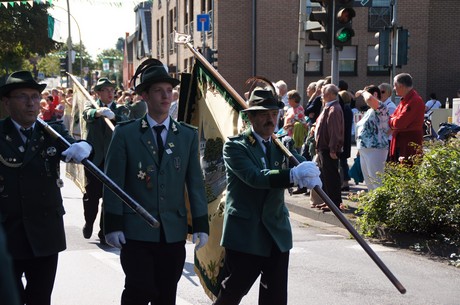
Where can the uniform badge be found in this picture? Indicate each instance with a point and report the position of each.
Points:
(59, 183)
(8, 138)
(51, 151)
(22, 149)
(173, 127)
(171, 145)
(277, 163)
(141, 175)
(144, 124)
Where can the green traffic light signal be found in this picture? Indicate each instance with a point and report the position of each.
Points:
(344, 35)
(343, 15)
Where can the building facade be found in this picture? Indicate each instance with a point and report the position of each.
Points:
(256, 38)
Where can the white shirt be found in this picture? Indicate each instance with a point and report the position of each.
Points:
(390, 105)
(164, 132)
(433, 104)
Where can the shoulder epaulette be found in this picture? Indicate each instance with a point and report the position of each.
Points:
(125, 122)
(237, 137)
(188, 125)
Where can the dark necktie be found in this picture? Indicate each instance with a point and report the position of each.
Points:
(267, 149)
(28, 133)
(158, 129)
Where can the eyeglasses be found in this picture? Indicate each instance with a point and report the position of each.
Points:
(24, 98)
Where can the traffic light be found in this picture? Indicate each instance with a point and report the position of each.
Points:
(383, 47)
(402, 40)
(324, 17)
(213, 56)
(210, 55)
(343, 15)
(63, 64)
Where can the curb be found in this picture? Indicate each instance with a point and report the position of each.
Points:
(300, 204)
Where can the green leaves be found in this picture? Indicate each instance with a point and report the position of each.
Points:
(423, 198)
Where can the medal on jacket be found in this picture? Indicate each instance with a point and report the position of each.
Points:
(150, 170)
(177, 163)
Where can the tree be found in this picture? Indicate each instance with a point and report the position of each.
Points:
(114, 58)
(24, 33)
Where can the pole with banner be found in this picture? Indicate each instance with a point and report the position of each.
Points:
(241, 104)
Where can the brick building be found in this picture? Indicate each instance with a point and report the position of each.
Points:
(256, 37)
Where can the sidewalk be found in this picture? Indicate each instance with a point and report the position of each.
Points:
(300, 204)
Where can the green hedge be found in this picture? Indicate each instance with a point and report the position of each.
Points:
(421, 198)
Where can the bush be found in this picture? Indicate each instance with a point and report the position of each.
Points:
(421, 198)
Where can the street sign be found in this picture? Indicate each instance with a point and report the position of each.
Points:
(202, 22)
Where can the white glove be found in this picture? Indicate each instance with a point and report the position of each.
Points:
(306, 169)
(203, 237)
(115, 239)
(104, 111)
(310, 183)
(77, 152)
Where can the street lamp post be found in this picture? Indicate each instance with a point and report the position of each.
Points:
(69, 45)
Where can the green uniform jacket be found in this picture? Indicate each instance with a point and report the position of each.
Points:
(99, 133)
(255, 214)
(132, 163)
(31, 207)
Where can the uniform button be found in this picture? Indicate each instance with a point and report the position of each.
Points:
(162, 198)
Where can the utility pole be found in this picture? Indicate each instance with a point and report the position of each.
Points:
(394, 25)
(300, 80)
(69, 47)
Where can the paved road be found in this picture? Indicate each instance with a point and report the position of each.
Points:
(326, 267)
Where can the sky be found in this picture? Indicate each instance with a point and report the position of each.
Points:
(101, 22)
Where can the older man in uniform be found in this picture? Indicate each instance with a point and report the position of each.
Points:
(257, 233)
(30, 198)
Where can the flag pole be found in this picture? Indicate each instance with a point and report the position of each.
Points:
(185, 40)
(90, 98)
(105, 179)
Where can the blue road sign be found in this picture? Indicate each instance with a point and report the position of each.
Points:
(202, 22)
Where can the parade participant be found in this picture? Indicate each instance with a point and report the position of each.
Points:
(155, 159)
(99, 135)
(407, 120)
(257, 233)
(30, 197)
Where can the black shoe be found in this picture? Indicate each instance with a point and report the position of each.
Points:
(87, 231)
(101, 238)
(300, 191)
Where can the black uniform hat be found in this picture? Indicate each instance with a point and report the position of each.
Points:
(20, 79)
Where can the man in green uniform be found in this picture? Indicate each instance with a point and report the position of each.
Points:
(154, 159)
(257, 233)
(99, 135)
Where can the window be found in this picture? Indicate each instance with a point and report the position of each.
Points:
(379, 15)
(347, 61)
(313, 60)
(373, 68)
